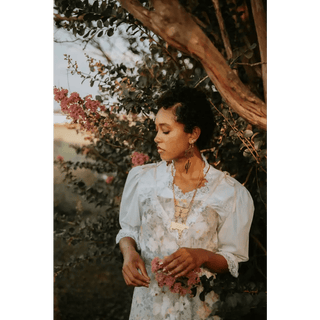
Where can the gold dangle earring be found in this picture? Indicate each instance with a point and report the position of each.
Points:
(189, 154)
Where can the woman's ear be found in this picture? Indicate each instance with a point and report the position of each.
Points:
(195, 135)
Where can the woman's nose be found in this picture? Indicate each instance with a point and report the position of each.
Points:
(156, 139)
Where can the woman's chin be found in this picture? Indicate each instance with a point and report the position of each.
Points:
(163, 157)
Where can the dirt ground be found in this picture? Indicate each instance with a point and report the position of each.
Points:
(68, 133)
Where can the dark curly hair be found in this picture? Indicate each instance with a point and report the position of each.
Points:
(194, 111)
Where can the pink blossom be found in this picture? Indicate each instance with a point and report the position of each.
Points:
(169, 281)
(109, 179)
(93, 105)
(182, 285)
(60, 158)
(193, 277)
(160, 278)
(139, 159)
(60, 95)
(156, 264)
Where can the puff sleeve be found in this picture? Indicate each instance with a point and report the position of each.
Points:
(233, 233)
(129, 216)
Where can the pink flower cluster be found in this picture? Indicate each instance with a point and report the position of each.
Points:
(75, 107)
(182, 285)
(93, 105)
(139, 159)
(109, 180)
(60, 158)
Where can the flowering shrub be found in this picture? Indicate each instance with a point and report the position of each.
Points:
(83, 111)
(181, 285)
(139, 159)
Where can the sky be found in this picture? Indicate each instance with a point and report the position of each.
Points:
(114, 47)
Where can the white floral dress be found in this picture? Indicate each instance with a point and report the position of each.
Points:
(219, 221)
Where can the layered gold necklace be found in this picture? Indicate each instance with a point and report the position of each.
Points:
(180, 212)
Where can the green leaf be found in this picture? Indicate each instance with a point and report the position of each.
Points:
(247, 133)
(263, 153)
(99, 24)
(258, 144)
(86, 34)
(246, 153)
(252, 46)
(110, 32)
(98, 98)
(249, 54)
(231, 301)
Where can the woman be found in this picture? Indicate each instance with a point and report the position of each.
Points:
(183, 211)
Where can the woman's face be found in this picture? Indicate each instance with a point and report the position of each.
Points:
(171, 139)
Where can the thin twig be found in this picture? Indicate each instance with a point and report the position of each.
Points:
(259, 244)
(115, 146)
(250, 64)
(200, 81)
(223, 31)
(239, 134)
(248, 176)
(104, 159)
(96, 44)
(207, 150)
(58, 17)
(65, 41)
(259, 188)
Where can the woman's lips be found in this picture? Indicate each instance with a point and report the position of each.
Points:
(160, 150)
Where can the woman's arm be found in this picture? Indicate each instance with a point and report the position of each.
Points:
(132, 262)
(184, 260)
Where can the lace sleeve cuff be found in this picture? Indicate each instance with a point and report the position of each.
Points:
(232, 263)
(127, 233)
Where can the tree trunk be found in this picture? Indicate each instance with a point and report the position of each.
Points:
(170, 21)
(259, 17)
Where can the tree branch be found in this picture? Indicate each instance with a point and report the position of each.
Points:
(96, 44)
(58, 17)
(223, 30)
(170, 21)
(259, 17)
(250, 64)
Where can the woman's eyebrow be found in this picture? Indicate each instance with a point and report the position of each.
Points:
(162, 125)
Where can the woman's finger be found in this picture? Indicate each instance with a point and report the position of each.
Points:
(179, 268)
(143, 270)
(168, 259)
(184, 272)
(172, 265)
(134, 277)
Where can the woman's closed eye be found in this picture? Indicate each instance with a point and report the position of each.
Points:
(164, 132)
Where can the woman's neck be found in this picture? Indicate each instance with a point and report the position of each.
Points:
(196, 165)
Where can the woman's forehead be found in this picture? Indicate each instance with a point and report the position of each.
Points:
(165, 117)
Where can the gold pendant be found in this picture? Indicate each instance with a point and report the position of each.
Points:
(178, 226)
(181, 212)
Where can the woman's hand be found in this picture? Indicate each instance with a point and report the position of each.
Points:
(131, 264)
(184, 260)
